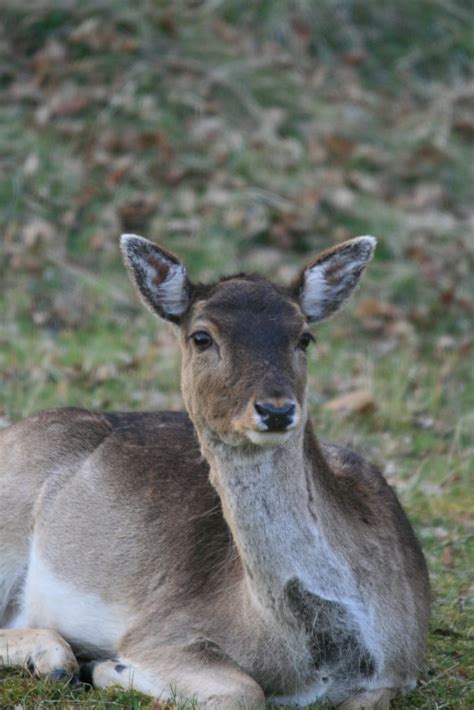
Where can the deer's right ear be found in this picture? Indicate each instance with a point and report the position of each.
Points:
(160, 277)
(324, 286)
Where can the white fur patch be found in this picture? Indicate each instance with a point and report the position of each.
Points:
(80, 617)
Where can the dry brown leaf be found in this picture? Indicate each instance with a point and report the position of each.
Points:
(62, 390)
(99, 35)
(427, 154)
(354, 57)
(448, 556)
(134, 214)
(68, 101)
(365, 182)
(48, 58)
(464, 126)
(316, 151)
(373, 307)
(357, 402)
(309, 197)
(37, 231)
(340, 147)
(424, 195)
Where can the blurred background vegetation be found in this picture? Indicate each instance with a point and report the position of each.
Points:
(248, 136)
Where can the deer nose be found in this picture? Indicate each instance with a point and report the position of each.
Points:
(276, 418)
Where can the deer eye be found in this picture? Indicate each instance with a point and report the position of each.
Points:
(201, 340)
(305, 340)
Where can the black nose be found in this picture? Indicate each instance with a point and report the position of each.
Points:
(276, 418)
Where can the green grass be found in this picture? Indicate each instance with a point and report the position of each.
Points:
(250, 136)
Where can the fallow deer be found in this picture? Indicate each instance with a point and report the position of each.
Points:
(226, 554)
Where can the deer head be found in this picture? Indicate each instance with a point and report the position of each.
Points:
(244, 339)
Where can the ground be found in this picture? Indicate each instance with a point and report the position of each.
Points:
(249, 137)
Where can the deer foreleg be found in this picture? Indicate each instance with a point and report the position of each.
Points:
(214, 685)
(42, 651)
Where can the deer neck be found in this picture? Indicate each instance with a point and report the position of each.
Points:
(275, 502)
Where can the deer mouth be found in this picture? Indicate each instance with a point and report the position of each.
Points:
(268, 438)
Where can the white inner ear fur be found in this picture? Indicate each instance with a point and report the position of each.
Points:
(171, 293)
(320, 297)
(316, 293)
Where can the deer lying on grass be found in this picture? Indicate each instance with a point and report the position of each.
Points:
(227, 556)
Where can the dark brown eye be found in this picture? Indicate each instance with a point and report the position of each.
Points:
(305, 340)
(201, 340)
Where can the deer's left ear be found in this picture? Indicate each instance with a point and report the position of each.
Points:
(159, 276)
(325, 284)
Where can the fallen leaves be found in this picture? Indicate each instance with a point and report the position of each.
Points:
(134, 214)
(37, 231)
(314, 135)
(368, 308)
(339, 147)
(356, 402)
(100, 35)
(273, 153)
(448, 556)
